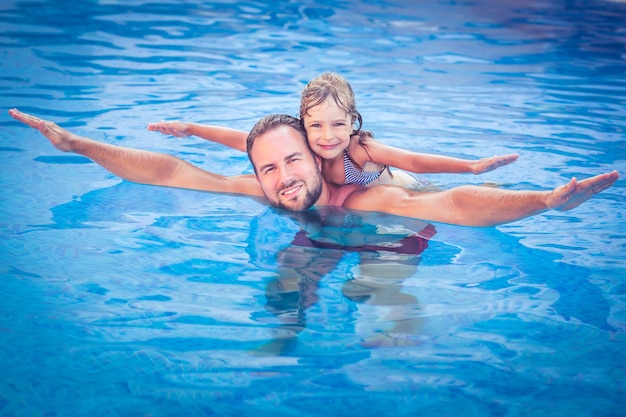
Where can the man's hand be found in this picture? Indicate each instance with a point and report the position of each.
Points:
(59, 137)
(575, 192)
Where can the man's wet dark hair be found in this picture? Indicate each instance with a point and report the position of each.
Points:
(269, 123)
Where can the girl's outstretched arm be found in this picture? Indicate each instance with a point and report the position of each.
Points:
(423, 163)
(232, 138)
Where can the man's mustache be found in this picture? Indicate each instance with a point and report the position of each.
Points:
(289, 184)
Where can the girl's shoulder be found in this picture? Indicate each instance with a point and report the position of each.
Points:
(361, 147)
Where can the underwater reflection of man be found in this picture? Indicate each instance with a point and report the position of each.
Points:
(317, 248)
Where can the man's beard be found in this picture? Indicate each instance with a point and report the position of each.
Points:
(313, 192)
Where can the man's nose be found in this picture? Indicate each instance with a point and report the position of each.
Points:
(285, 174)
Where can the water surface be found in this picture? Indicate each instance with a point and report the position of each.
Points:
(124, 299)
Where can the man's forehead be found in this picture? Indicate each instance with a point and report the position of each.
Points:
(281, 137)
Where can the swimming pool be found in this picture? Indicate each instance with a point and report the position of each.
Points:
(123, 299)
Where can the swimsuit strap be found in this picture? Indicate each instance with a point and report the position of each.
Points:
(355, 175)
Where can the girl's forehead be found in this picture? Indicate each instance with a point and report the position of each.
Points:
(328, 106)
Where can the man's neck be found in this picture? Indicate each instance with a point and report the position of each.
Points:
(334, 195)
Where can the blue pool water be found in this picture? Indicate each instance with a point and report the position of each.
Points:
(121, 299)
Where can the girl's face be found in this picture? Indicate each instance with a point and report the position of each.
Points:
(328, 129)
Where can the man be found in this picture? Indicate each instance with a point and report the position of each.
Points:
(288, 175)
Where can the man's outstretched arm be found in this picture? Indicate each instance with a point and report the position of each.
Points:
(478, 206)
(138, 165)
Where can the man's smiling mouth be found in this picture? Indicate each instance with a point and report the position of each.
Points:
(291, 190)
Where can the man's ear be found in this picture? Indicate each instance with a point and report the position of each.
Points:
(318, 161)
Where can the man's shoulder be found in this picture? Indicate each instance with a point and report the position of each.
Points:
(370, 198)
(339, 194)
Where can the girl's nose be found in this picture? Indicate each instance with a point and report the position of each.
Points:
(328, 134)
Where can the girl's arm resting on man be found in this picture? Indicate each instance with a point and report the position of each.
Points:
(423, 163)
(232, 138)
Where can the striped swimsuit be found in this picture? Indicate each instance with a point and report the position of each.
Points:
(354, 175)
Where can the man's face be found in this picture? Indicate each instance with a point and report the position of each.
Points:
(288, 172)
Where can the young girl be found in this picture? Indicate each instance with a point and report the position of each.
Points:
(349, 155)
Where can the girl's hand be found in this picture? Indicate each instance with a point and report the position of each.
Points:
(175, 128)
(489, 164)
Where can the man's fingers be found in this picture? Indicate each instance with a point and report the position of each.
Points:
(27, 119)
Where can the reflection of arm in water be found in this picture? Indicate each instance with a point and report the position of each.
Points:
(295, 290)
(295, 271)
(379, 281)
